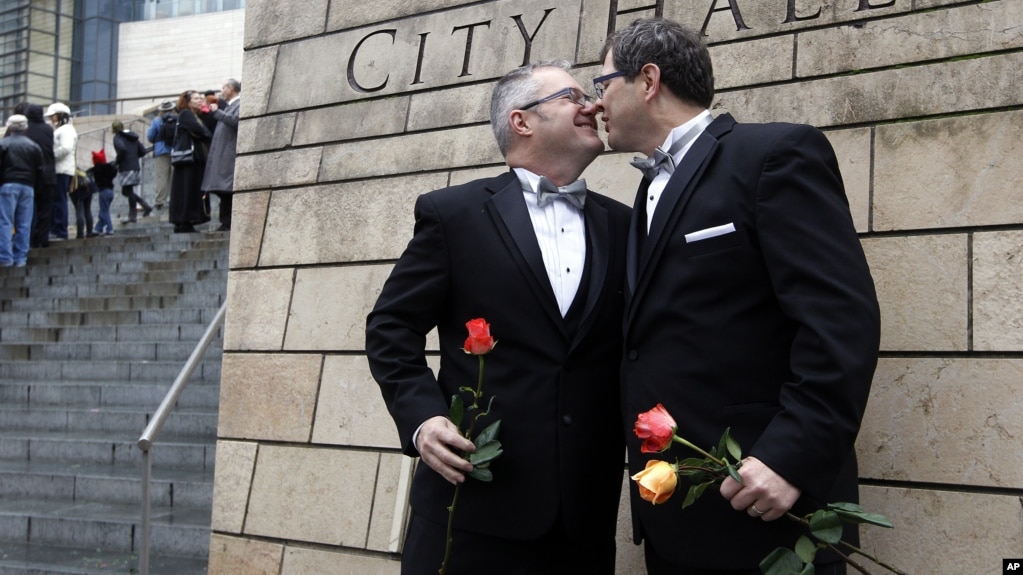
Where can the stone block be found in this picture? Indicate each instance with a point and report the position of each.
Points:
(938, 88)
(238, 556)
(412, 153)
(277, 169)
(345, 222)
(351, 291)
(390, 503)
(248, 218)
(923, 289)
(257, 303)
(459, 105)
(353, 121)
(772, 55)
(303, 561)
(749, 20)
(911, 38)
(629, 558)
(464, 45)
(270, 397)
(943, 532)
(954, 421)
(270, 21)
(611, 175)
(351, 410)
(949, 172)
(458, 177)
(852, 148)
(314, 495)
(593, 30)
(998, 291)
(232, 476)
(266, 132)
(258, 71)
(342, 16)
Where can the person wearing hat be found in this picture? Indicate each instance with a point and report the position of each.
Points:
(162, 143)
(103, 173)
(41, 132)
(65, 139)
(21, 167)
(129, 153)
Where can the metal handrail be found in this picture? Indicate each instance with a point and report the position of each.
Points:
(161, 414)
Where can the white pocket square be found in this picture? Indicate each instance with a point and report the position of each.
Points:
(709, 233)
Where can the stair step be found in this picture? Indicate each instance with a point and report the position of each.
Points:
(106, 393)
(104, 333)
(108, 526)
(159, 371)
(26, 559)
(106, 448)
(104, 483)
(103, 351)
(25, 418)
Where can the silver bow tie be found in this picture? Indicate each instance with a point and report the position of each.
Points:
(650, 167)
(574, 193)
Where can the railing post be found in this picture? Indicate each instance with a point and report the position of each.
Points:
(147, 476)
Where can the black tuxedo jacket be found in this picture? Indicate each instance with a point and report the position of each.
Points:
(474, 254)
(771, 330)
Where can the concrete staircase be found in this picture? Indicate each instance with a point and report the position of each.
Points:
(92, 334)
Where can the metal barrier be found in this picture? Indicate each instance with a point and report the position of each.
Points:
(148, 437)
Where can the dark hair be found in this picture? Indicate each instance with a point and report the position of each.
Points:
(183, 100)
(679, 52)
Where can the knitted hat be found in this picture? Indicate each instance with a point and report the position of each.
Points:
(17, 122)
(99, 157)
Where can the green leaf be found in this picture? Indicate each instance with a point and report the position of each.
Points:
(806, 549)
(488, 434)
(733, 447)
(853, 513)
(482, 473)
(457, 411)
(694, 493)
(781, 561)
(734, 473)
(826, 526)
(486, 453)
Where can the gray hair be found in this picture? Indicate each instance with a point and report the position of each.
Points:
(235, 85)
(17, 123)
(514, 89)
(678, 51)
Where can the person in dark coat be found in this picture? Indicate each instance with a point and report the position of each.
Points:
(41, 132)
(129, 149)
(188, 206)
(219, 176)
(21, 163)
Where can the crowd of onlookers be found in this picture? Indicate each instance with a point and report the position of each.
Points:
(193, 146)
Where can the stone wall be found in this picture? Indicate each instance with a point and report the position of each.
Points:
(349, 113)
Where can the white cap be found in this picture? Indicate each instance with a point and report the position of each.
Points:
(57, 108)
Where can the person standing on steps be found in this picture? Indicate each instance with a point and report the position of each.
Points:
(188, 206)
(161, 153)
(21, 167)
(219, 175)
(65, 141)
(129, 149)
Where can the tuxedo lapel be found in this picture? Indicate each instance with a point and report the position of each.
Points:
(673, 200)
(598, 230)
(508, 208)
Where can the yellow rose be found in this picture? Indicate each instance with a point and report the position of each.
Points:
(657, 481)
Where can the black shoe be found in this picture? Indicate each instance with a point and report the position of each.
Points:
(127, 221)
(183, 229)
(146, 212)
(224, 228)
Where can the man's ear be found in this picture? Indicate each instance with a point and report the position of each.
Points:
(519, 121)
(649, 79)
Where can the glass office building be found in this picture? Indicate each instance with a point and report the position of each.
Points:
(66, 50)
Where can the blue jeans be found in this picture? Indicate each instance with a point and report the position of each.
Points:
(104, 225)
(16, 207)
(59, 225)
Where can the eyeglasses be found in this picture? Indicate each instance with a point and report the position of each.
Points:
(577, 96)
(600, 82)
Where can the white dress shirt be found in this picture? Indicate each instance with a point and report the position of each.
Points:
(561, 232)
(660, 181)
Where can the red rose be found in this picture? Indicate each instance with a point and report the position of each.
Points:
(656, 428)
(479, 341)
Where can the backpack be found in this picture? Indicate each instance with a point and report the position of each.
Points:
(168, 128)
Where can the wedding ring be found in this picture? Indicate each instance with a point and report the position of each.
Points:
(755, 510)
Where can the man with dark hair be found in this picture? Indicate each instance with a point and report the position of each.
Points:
(21, 167)
(219, 175)
(41, 132)
(542, 259)
(749, 305)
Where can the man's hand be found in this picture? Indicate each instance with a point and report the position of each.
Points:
(762, 493)
(214, 108)
(440, 444)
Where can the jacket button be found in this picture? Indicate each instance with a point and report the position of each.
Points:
(633, 354)
(566, 419)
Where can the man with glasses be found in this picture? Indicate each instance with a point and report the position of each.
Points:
(542, 260)
(749, 305)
